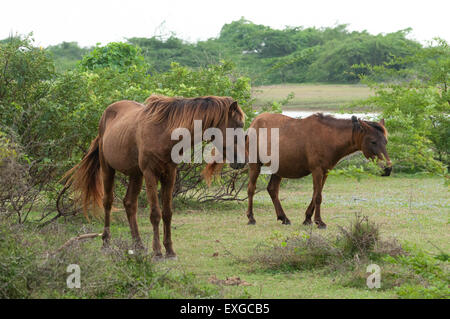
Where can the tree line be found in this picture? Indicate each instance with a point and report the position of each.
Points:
(267, 55)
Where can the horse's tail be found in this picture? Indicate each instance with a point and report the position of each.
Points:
(86, 179)
(210, 170)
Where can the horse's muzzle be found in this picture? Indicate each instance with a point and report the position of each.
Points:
(237, 165)
(387, 171)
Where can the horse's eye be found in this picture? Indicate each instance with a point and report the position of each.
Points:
(373, 143)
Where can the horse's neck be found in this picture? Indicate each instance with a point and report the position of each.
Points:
(347, 144)
(197, 131)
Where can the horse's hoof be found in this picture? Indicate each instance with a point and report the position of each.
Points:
(140, 248)
(307, 222)
(157, 258)
(106, 245)
(251, 222)
(321, 225)
(286, 222)
(171, 257)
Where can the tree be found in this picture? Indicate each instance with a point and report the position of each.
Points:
(67, 55)
(414, 100)
(115, 55)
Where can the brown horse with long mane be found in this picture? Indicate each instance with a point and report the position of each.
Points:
(314, 145)
(135, 139)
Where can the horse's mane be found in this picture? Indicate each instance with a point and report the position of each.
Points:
(341, 123)
(181, 112)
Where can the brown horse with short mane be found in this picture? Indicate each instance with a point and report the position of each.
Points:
(314, 145)
(135, 139)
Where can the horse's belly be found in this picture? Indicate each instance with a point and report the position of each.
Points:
(120, 152)
(292, 172)
(292, 162)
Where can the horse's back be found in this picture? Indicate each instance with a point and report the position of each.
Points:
(267, 120)
(117, 112)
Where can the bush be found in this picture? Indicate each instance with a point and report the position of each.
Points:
(360, 238)
(21, 181)
(32, 267)
(433, 272)
(355, 245)
(300, 253)
(412, 93)
(115, 55)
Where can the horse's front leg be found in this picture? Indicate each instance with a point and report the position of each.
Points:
(151, 183)
(319, 178)
(167, 185)
(309, 213)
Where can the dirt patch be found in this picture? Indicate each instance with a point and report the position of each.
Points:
(229, 281)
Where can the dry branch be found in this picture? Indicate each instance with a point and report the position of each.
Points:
(77, 238)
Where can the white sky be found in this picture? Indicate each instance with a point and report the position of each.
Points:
(92, 21)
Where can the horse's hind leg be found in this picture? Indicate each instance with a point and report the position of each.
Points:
(273, 188)
(167, 184)
(108, 174)
(151, 183)
(130, 204)
(255, 169)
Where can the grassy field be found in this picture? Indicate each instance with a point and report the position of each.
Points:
(312, 96)
(215, 240)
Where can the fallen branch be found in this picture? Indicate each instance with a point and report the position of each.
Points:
(77, 238)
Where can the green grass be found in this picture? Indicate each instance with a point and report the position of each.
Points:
(413, 210)
(312, 96)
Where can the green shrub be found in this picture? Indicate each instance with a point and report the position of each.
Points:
(31, 266)
(413, 96)
(356, 244)
(360, 238)
(434, 272)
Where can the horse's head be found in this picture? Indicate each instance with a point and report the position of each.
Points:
(231, 140)
(372, 141)
(234, 137)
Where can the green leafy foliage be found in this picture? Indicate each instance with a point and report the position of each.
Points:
(266, 55)
(415, 103)
(116, 55)
(434, 273)
(67, 55)
(356, 167)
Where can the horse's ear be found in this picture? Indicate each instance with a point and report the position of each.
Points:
(382, 122)
(355, 122)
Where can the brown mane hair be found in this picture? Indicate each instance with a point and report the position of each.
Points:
(181, 112)
(335, 122)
